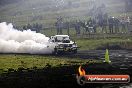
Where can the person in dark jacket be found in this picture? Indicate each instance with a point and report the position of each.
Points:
(77, 26)
(111, 24)
(116, 24)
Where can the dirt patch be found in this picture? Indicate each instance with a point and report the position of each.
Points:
(57, 77)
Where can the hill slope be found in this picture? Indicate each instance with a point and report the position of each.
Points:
(21, 12)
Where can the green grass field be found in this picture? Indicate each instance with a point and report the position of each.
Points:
(14, 61)
(89, 44)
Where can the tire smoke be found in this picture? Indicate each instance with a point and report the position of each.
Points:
(27, 41)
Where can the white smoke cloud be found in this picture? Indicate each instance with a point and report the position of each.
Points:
(14, 41)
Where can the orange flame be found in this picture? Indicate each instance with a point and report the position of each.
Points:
(81, 71)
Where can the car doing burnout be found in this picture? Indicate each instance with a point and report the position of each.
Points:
(62, 43)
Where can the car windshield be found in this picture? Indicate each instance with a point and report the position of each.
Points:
(61, 39)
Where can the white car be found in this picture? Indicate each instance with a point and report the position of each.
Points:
(62, 43)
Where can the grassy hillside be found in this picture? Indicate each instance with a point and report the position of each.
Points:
(46, 11)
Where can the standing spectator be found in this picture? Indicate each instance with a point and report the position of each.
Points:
(123, 24)
(94, 25)
(29, 26)
(68, 27)
(24, 27)
(104, 23)
(77, 27)
(90, 25)
(111, 24)
(116, 24)
(100, 20)
(128, 23)
(86, 26)
(59, 25)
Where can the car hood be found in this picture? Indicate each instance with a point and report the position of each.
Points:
(66, 43)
